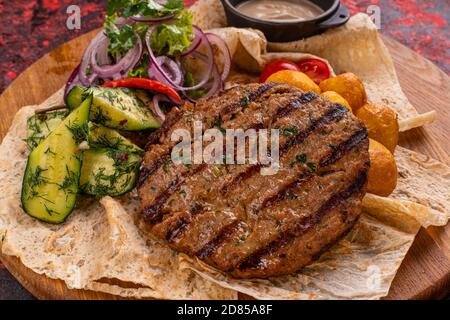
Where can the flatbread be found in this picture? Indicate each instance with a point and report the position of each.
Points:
(354, 47)
(100, 248)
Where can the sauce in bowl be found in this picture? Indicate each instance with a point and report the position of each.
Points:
(279, 10)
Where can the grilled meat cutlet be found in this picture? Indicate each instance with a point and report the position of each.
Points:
(244, 223)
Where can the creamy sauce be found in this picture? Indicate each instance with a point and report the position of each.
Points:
(279, 10)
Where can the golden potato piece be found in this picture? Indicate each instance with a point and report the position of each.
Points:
(349, 87)
(381, 123)
(337, 98)
(296, 78)
(383, 170)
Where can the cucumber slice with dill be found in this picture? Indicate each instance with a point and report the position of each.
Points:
(108, 172)
(51, 180)
(117, 108)
(40, 125)
(101, 137)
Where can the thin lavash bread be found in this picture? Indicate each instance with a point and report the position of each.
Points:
(354, 47)
(100, 248)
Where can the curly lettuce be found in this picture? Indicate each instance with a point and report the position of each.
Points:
(172, 39)
(168, 39)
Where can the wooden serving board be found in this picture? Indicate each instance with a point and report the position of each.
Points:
(425, 273)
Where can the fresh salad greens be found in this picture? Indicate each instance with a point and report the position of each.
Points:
(140, 60)
(169, 39)
(173, 39)
(154, 40)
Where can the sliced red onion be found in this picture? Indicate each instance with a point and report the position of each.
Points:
(159, 72)
(216, 85)
(86, 79)
(156, 109)
(220, 43)
(73, 80)
(153, 20)
(217, 82)
(126, 63)
(198, 36)
(121, 21)
(170, 67)
(102, 52)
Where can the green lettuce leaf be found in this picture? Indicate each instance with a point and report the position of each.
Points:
(172, 39)
(121, 39)
(145, 8)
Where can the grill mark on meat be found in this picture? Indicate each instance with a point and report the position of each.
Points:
(304, 99)
(146, 172)
(249, 98)
(224, 234)
(250, 171)
(172, 234)
(173, 119)
(176, 184)
(237, 100)
(182, 223)
(152, 213)
(335, 113)
(286, 192)
(345, 147)
(253, 261)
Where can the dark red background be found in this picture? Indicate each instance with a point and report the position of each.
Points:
(29, 29)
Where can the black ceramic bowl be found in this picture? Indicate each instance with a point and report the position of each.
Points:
(335, 14)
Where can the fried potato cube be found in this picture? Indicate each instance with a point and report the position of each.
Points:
(381, 123)
(349, 86)
(337, 98)
(295, 78)
(383, 170)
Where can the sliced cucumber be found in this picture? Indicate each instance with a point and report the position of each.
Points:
(117, 108)
(51, 179)
(102, 137)
(40, 125)
(108, 172)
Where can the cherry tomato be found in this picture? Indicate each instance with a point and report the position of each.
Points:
(316, 69)
(275, 66)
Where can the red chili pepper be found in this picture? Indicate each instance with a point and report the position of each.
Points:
(142, 83)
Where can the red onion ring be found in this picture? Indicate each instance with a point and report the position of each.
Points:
(85, 62)
(73, 80)
(121, 21)
(170, 67)
(215, 39)
(156, 109)
(195, 43)
(156, 68)
(217, 83)
(153, 20)
(126, 63)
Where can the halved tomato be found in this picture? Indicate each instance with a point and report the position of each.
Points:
(316, 69)
(275, 66)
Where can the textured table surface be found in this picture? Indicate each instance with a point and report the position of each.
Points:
(29, 29)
